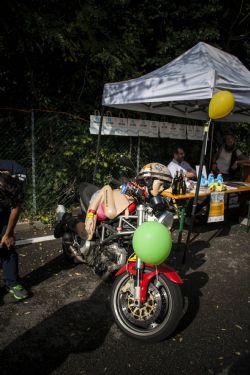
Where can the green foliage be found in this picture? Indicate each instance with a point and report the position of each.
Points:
(58, 55)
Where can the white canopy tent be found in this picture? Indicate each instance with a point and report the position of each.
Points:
(184, 86)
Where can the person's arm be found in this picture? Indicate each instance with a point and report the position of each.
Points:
(242, 160)
(190, 172)
(8, 238)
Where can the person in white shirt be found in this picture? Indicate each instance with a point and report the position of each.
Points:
(178, 163)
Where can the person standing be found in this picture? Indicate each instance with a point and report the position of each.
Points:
(12, 178)
(229, 159)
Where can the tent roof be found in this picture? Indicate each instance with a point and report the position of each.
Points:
(184, 86)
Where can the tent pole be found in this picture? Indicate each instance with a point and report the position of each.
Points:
(98, 144)
(211, 147)
(138, 155)
(203, 153)
(130, 146)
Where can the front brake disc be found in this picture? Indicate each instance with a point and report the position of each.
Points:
(145, 314)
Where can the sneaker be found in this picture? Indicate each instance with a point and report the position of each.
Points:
(18, 291)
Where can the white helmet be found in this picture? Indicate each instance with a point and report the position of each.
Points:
(155, 170)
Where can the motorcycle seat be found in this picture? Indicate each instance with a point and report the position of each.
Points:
(86, 191)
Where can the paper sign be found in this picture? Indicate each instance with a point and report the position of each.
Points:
(94, 124)
(165, 129)
(144, 127)
(195, 132)
(110, 125)
(216, 210)
(153, 129)
(133, 127)
(177, 131)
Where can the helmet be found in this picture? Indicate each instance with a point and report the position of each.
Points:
(155, 171)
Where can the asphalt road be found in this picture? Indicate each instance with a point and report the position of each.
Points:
(66, 326)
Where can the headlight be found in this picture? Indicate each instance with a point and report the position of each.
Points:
(166, 218)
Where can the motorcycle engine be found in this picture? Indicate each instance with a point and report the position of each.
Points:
(104, 259)
(111, 258)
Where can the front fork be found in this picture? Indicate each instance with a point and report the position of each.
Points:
(139, 264)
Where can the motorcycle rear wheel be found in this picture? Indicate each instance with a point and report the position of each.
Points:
(161, 324)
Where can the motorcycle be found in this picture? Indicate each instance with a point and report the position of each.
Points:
(146, 300)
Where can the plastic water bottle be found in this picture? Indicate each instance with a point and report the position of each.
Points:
(210, 179)
(203, 181)
(219, 178)
(124, 188)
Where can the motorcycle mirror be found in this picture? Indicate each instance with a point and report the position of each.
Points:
(126, 162)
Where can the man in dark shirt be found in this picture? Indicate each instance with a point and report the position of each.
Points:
(12, 178)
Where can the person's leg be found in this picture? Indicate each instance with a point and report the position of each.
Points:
(203, 203)
(189, 207)
(188, 210)
(243, 207)
(8, 258)
(9, 262)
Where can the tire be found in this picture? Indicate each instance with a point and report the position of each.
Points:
(164, 323)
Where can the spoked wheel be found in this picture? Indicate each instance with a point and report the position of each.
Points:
(157, 318)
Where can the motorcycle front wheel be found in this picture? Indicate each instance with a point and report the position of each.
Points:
(157, 318)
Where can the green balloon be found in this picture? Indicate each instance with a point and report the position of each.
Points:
(152, 242)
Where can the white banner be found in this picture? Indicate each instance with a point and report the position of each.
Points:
(145, 128)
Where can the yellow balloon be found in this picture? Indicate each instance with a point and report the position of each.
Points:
(221, 104)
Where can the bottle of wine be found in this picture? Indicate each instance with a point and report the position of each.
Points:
(181, 182)
(176, 184)
(184, 186)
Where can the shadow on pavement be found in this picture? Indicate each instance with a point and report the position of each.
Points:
(75, 328)
(46, 271)
(241, 367)
(193, 282)
(191, 289)
(3, 292)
